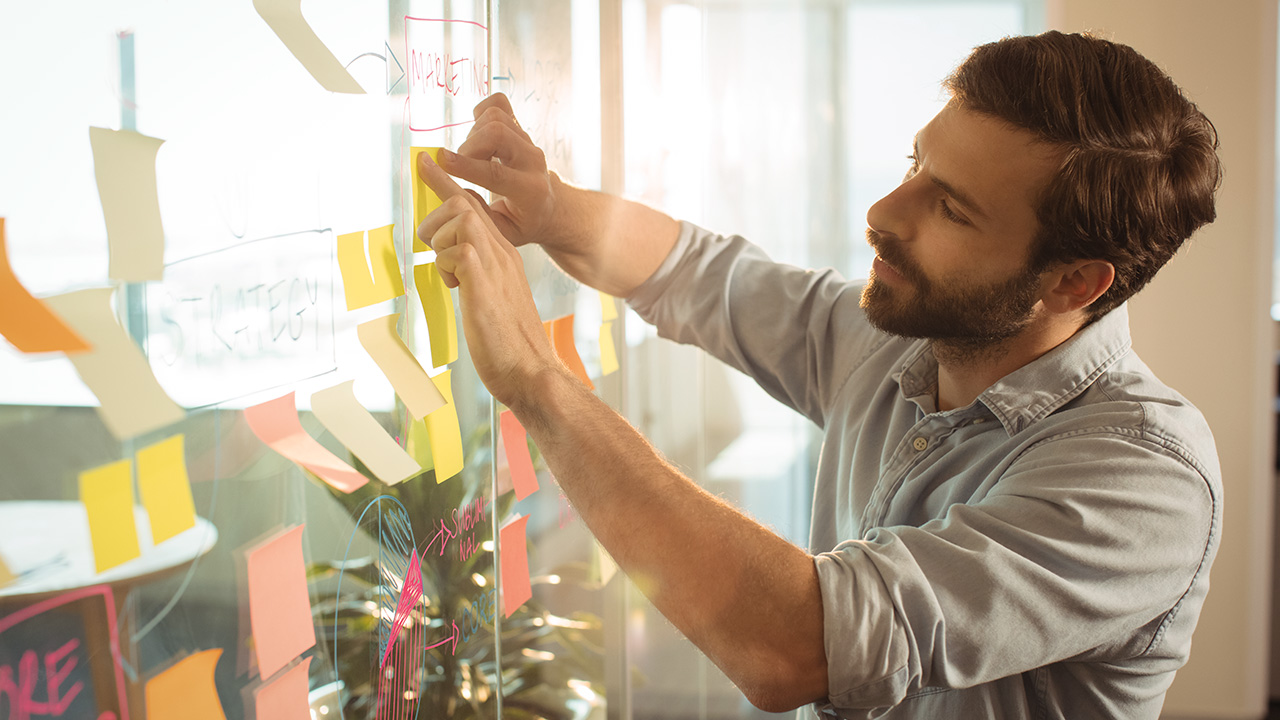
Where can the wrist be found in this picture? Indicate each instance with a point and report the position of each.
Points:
(539, 398)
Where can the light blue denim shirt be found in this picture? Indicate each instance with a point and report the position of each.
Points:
(1040, 553)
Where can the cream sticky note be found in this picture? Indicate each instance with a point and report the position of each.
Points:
(424, 200)
(124, 163)
(373, 277)
(132, 402)
(562, 340)
(608, 355)
(523, 478)
(276, 423)
(27, 322)
(279, 607)
(285, 698)
(338, 410)
(285, 19)
(437, 306)
(608, 310)
(514, 548)
(444, 433)
(107, 494)
(165, 488)
(186, 690)
(411, 382)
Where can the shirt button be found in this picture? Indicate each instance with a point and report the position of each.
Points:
(920, 444)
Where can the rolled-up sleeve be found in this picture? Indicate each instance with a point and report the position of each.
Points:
(795, 331)
(1083, 538)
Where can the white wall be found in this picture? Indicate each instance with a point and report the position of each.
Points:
(1203, 324)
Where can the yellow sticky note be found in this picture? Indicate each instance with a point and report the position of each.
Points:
(107, 494)
(165, 488)
(411, 382)
(285, 18)
(608, 311)
(444, 433)
(372, 278)
(132, 401)
(186, 690)
(608, 356)
(424, 200)
(124, 163)
(6, 575)
(437, 305)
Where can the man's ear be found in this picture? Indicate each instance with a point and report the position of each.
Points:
(1076, 285)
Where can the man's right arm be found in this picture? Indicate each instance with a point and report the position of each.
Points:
(603, 241)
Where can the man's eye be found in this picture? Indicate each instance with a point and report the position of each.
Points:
(950, 214)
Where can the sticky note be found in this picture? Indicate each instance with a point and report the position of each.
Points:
(562, 341)
(124, 163)
(514, 549)
(373, 277)
(186, 690)
(284, 17)
(107, 494)
(604, 563)
(424, 200)
(523, 478)
(410, 594)
(276, 423)
(6, 575)
(548, 328)
(608, 355)
(285, 698)
(131, 401)
(608, 310)
(165, 488)
(411, 382)
(444, 433)
(437, 307)
(341, 414)
(27, 322)
(279, 607)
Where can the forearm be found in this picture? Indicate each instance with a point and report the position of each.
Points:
(747, 597)
(607, 242)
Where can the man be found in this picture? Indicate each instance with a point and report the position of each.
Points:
(1013, 517)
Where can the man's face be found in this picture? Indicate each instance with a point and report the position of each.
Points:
(953, 241)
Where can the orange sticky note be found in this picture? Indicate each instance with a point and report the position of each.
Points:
(279, 607)
(165, 488)
(562, 340)
(513, 546)
(285, 698)
(124, 163)
(186, 690)
(107, 494)
(373, 277)
(424, 200)
(411, 382)
(523, 478)
(27, 322)
(444, 433)
(608, 355)
(437, 306)
(276, 423)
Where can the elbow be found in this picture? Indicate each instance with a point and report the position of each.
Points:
(786, 686)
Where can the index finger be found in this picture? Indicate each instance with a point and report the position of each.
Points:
(436, 178)
(498, 100)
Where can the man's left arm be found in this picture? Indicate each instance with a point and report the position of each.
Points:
(746, 597)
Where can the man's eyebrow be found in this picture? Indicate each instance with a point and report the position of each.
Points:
(961, 196)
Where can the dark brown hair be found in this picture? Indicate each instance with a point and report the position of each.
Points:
(1139, 164)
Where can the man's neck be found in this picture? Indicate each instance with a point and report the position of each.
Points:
(965, 372)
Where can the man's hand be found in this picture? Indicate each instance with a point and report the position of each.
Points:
(499, 156)
(504, 334)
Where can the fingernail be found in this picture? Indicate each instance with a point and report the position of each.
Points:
(446, 154)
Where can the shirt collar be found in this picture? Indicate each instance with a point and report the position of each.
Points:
(1035, 390)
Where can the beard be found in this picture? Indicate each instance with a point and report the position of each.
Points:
(966, 319)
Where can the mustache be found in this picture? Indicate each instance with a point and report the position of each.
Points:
(891, 252)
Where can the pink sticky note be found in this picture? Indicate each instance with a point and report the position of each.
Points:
(276, 423)
(523, 478)
(515, 565)
(279, 607)
(285, 698)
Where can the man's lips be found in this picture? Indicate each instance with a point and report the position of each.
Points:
(886, 271)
